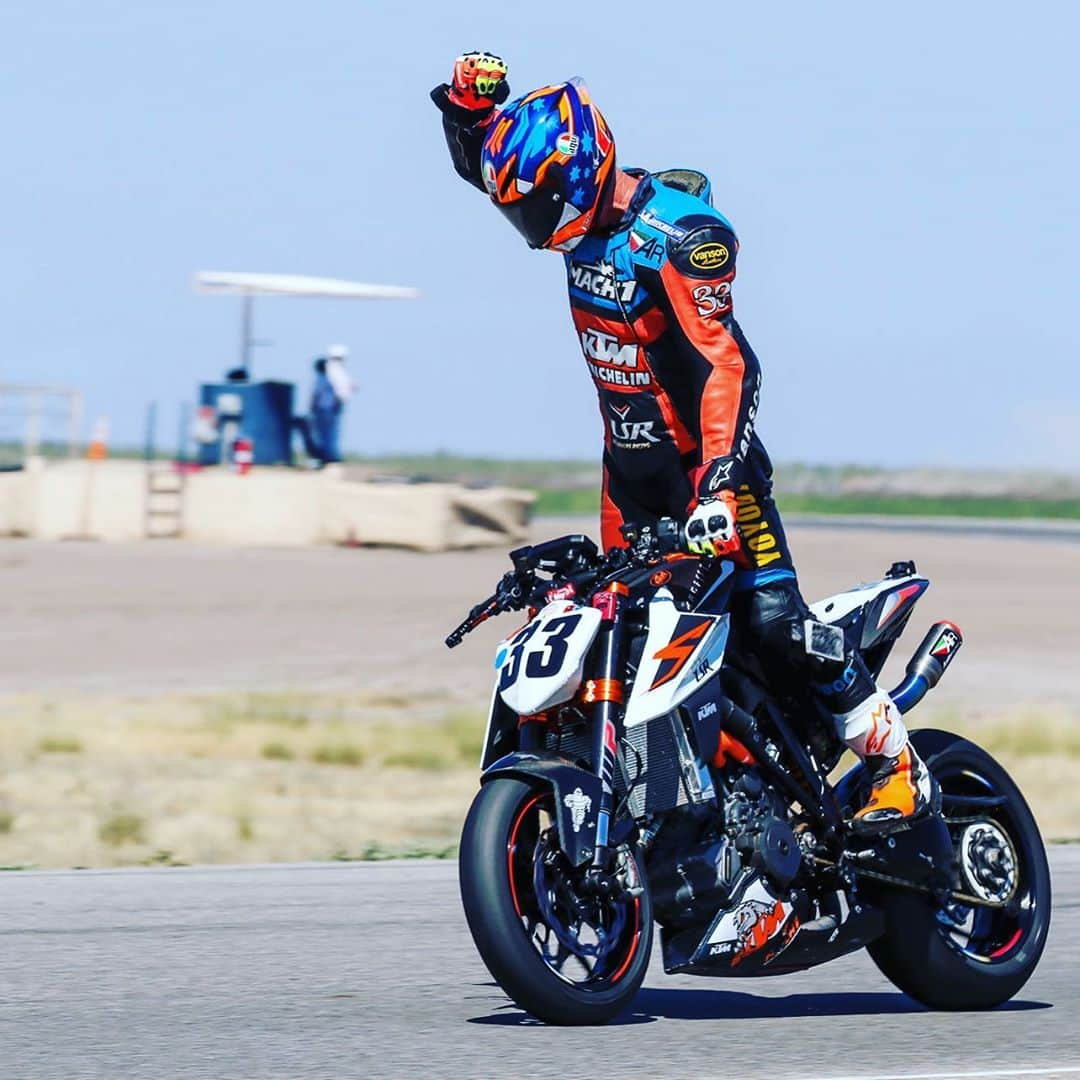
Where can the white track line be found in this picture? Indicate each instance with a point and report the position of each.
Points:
(1057, 1070)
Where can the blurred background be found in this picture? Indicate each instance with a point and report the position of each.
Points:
(267, 680)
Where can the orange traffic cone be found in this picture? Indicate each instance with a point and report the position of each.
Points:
(98, 450)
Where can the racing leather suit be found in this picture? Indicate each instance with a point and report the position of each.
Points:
(678, 387)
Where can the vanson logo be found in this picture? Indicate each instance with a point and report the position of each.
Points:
(709, 256)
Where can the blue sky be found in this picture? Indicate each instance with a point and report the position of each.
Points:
(903, 179)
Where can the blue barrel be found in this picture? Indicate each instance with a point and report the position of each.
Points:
(263, 411)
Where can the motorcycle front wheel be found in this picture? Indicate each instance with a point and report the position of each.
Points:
(561, 953)
(960, 956)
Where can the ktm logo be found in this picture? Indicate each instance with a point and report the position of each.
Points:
(768, 922)
(606, 348)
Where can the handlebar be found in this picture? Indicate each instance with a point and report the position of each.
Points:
(576, 559)
(511, 595)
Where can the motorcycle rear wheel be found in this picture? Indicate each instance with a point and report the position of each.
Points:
(564, 957)
(957, 957)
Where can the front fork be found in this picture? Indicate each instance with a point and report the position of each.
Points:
(607, 692)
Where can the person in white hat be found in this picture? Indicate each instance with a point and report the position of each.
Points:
(333, 388)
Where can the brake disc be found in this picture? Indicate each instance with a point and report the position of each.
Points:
(988, 861)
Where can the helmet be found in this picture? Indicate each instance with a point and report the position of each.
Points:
(548, 163)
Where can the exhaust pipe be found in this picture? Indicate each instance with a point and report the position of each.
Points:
(928, 664)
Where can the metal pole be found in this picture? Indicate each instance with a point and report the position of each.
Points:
(150, 449)
(247, 317)
(33, 426)
(184, 433)
(75, 424)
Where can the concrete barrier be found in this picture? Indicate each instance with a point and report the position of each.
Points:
(107, 500)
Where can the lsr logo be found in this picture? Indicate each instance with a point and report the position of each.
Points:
(631, 434)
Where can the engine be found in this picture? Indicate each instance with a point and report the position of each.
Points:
(697, 856)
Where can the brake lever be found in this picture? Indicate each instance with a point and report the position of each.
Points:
(510, 595)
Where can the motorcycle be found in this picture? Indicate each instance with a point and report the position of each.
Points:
(639, 767)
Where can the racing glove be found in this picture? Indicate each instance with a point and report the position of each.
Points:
(477, 85)
(710, 529)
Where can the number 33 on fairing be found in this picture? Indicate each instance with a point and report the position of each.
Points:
(542, 664)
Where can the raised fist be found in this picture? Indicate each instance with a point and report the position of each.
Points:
(479, 81)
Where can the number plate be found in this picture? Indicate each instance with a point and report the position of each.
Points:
(542, 664)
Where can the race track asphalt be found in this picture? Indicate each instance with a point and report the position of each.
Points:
(367, 970)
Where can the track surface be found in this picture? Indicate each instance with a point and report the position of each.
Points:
(365, 970)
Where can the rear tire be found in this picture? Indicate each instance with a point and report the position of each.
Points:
(496, 866)
(963, 958)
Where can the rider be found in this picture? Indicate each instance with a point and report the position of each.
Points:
(650, 266)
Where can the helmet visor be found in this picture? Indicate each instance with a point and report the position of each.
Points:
(538, 216)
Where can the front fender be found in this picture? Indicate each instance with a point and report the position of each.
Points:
(573, 787)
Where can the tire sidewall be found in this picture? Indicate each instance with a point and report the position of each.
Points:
(496, 927)
(914, 954)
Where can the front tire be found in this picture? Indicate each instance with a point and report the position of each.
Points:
(519, 895)
(959, 957)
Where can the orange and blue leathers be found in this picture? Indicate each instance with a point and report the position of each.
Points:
(677, 381)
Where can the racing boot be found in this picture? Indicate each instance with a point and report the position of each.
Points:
(903, 787)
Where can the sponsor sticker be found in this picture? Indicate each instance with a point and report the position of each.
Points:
(650, 219)
(713, 299)
(579, 804)
(567, 144)
(599, 279)
(709, 256)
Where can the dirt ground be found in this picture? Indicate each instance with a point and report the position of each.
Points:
(78, 618)
(128, 672)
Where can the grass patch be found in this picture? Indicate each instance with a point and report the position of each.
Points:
(568, 501)
(339, 754)
(426, 758)
(7, 822)
(277, 751)
(278, 710)
(245, 828)
(465, 730)
(931, 506)
(162, 857)
(587, 501)
(453, 742)
(122, 828)
(376, 852)
(59, 744)
(1027, 737)
(481, 470)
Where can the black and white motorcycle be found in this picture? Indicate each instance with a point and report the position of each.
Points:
(639, 768)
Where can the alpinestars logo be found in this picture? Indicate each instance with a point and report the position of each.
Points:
(598, 279)
(721, 476)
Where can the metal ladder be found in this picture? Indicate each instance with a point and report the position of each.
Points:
(164, 501)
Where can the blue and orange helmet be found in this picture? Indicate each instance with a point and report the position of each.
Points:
(548, 163)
